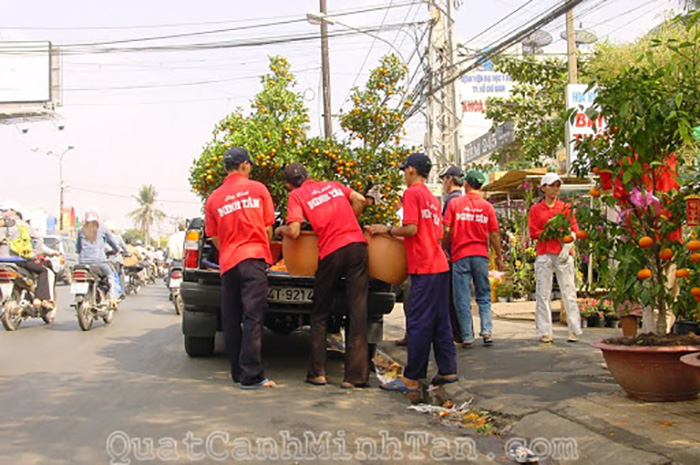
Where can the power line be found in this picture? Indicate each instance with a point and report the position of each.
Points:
(127, 196)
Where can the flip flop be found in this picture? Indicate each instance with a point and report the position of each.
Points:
(440, 380)
(347, 385)
(259, 385)
(315, 382)
(398, 386)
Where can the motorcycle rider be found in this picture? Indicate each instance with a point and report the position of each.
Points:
(16, 245)
(90, 245)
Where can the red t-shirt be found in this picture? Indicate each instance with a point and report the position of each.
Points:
(326, 205)
(470, 219)
(424, 255)
(540, 213)
(238, 213)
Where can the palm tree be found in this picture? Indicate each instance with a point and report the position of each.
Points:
(688, 5)
(147, 214)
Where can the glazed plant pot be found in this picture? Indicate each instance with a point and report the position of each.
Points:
(301, 254)
(387, 258)
(652, 374)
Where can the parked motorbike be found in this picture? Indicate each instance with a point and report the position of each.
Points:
(174, 285)
(91, 296)
(17, 290)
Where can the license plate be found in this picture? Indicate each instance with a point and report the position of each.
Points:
(175, 282)
(6, 289)
(79, 288)
(289, 295)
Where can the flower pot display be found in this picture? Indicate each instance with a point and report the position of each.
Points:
(686, 327)
(652, 373)
(301, 254)
(387, 258)
(629, 325)
(611, 321)
(595, 321)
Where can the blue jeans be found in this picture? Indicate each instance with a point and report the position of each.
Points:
(465, 270)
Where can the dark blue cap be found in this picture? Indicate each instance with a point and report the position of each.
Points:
(236, 156)
(419, 161)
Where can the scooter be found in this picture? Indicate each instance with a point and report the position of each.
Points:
(174, 285)
(17, 290)
(90, 293)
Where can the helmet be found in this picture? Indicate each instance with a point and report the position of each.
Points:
(139, 242)
(92, 214)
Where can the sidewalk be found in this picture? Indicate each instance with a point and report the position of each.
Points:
(564, 391)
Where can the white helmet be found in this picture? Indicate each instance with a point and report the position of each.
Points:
(92, 214)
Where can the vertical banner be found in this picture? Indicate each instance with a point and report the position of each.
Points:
(580, 124)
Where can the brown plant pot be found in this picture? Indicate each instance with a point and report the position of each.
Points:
(629, 325)
(387, 258)
(652, 374)
(692, 360)
(276, 250)
(301, 254)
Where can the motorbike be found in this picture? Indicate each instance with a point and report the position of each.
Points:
(17, 290)
(90, 292)
(174, 285)
(133, 279)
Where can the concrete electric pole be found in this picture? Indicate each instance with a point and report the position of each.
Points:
(571, 46)
(327, 123)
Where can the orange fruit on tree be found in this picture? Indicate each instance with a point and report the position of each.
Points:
(695, 291)
(595, 192)
(644, 273)
(568, 239)
(683, 273)
(666, 254)
(646, 241)
(581, 234)
(596, 170)
(693, 245)
(695, 257)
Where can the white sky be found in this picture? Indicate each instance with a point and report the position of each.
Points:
(142, 117)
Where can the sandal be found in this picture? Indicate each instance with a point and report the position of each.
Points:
(348, 385)
(265, 383)
(47, 305)
(318, 381)
(439, 380)
(398, 386)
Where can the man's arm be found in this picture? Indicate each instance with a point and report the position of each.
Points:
(357, 201)
(291, 230)
(406, 230)
(215, 241)
(446, 238)
(495, 239)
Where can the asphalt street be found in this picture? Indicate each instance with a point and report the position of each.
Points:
(127, 393)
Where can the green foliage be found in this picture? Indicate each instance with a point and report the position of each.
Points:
(147, 214)
(275, 134)
(557, 227)
(133, 235)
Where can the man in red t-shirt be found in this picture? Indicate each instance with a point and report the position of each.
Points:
(428, 321)
(332, 210)
(553, 257)
(470, 224)
(238, 218)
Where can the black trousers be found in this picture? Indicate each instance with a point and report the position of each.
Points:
(42, 291)
(243, 303)
(349, 262)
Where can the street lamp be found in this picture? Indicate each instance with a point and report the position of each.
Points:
(322, 19)
(60, 180)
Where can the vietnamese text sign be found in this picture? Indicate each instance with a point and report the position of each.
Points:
(580, 124)
(489, 143)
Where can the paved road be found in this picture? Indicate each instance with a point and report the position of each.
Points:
(68, 396)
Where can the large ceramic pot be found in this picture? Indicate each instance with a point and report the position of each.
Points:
(629, 325)
(692, 360)
(652, 374)
(301, 254)
(387, 258)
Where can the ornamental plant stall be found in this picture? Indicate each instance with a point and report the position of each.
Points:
(648, 157)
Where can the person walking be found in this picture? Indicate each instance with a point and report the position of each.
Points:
(238, 219)
(428, 321)
(452, 184)
(332, 210)
(553, 257)
(470, 225)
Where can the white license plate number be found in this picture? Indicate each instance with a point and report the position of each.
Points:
(6, 289)
(79, 288)
(175, 282)
(290, 295)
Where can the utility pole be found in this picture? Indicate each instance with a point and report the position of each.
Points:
(571, 46)
(325, 69)
(443, 122)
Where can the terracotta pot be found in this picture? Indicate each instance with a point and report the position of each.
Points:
(301, 254)
(692, 360)
(276, 249)
(629, 325)
(387, 258)
(652, 374)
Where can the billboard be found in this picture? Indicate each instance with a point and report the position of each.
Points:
(25, 72)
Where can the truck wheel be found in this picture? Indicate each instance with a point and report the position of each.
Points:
(199, 346)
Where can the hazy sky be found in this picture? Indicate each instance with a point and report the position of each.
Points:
(141, 117)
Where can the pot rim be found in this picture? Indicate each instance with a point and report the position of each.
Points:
(611, 347)
(692, 359)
